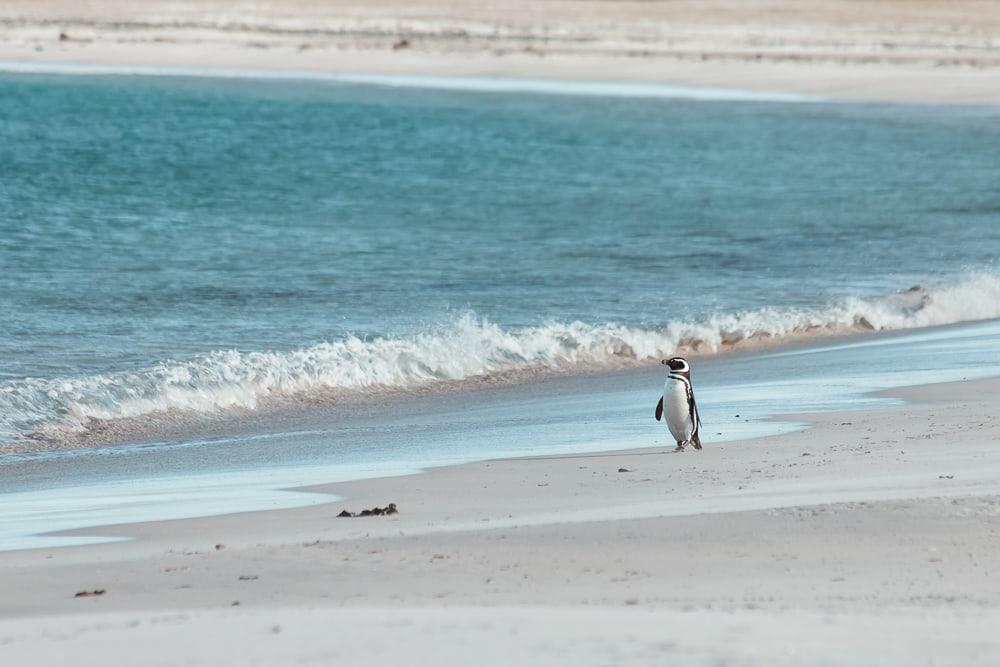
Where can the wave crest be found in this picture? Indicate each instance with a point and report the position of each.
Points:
(467, 348)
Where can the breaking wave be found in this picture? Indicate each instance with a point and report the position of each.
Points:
(469, 347)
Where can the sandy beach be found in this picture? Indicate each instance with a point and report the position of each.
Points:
(869, 538)
(940, 52)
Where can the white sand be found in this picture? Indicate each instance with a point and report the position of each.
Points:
(869, 539)
(931, 50)
(503, 636)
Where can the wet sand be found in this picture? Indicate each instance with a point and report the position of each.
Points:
(868, 539)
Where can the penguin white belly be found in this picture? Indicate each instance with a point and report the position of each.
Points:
(677, 411)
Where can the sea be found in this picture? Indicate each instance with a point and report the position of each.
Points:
(250, 283)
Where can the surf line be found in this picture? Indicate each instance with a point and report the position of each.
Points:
(482, 84)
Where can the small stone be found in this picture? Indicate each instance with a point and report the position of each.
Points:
(624, 470)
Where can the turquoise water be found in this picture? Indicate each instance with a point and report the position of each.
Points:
(202, 244)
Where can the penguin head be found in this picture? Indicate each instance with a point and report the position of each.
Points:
(677, 365)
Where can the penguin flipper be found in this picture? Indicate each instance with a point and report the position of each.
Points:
(659, 409)
(692, 406)
(696, 418)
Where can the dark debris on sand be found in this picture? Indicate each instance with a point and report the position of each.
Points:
(89, 594)
(375, 511)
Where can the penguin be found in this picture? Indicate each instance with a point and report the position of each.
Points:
(678, 402)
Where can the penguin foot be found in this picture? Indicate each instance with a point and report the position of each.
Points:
(697, 445)
(679, 447)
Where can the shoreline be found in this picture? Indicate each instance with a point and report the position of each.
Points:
(104, 433)
(916, 398)
(581, 75)
(388, 78)
(875, 52)
(588, 415)
(167, 427)
(887, 514)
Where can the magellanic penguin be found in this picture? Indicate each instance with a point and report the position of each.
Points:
(678, 402)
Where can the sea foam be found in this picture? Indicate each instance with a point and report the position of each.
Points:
(466, 348)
